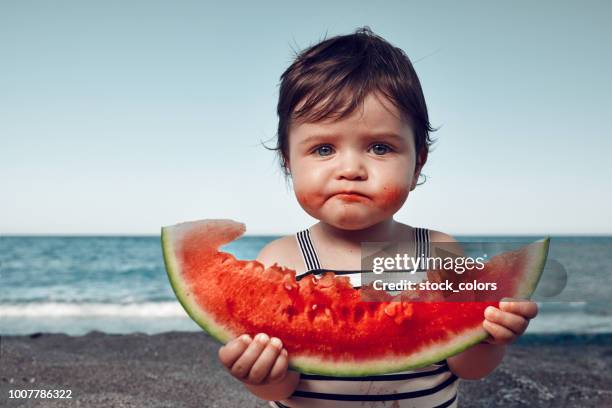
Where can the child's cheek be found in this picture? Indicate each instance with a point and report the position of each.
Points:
(392, 196)
(310, 200)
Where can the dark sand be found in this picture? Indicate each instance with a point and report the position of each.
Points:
(182, 370)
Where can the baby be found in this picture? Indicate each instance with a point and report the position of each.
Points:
(353, 136)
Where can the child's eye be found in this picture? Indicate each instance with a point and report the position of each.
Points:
(380, 149)
(324, 150)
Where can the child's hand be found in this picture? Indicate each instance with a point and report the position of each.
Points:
(256, 362)
(507, 323)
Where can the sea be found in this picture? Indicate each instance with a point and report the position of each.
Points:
(118, 284)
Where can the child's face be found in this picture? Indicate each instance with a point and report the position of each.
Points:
(358, 155)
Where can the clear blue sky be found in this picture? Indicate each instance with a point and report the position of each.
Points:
(120, 117)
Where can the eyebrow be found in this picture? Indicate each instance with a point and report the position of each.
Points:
(379, 135)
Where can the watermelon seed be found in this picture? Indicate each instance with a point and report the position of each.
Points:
(373, 307)
(358, 313)
(290, 312)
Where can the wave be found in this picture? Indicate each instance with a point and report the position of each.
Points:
(54, 309)
(601, 308)
(552, 306)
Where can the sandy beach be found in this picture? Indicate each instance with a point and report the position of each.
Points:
(180, 369)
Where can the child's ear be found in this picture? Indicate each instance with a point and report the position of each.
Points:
(420, 162)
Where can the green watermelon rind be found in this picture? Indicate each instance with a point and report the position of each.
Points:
(536, 260)
(197, 314)
(393, 363)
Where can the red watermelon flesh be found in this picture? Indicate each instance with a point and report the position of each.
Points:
(325, 324)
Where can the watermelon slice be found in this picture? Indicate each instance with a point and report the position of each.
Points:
(324, 323)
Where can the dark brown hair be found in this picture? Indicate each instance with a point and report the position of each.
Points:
(332, 78)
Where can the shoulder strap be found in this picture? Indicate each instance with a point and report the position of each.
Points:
(421, 238)
(309, 255)
(311, 259)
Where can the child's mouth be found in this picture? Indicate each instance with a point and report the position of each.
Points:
(351, 197)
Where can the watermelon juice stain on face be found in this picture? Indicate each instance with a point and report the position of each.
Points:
(393, 196)
(354, 172)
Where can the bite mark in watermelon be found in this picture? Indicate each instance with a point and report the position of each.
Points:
(324, 323)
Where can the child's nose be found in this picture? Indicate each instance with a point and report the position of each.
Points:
(351, 167)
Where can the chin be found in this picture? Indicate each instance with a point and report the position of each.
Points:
(349, 227)
(353, 223)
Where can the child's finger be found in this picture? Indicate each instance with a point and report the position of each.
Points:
(265, 361)
(240, 369)
(525, 308)
(229, 353)
(514, 322)
(499, 333)
(280, 367)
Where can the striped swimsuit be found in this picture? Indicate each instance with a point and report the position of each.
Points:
(431, 386)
